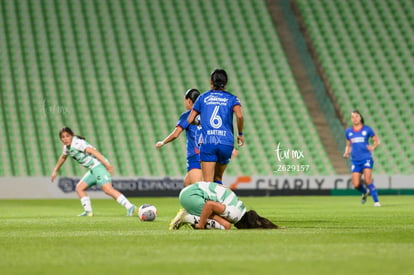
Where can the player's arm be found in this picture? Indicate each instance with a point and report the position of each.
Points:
(376, 142)
(240, 123)
(347, 149)
(174, 134)
(59, 163)
(225, 223)
(98, 156)
(210, 209)
(192, 116)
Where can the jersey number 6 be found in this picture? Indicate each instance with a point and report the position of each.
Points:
(215, 119)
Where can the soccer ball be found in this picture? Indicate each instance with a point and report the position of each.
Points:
(147, 212)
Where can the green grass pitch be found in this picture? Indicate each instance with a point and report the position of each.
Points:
(323, 235)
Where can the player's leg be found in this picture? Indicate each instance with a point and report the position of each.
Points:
(120, 198)
(208, 168)
(224, 154)
(81, 187)
(194, 172)
(193, 176)
(371, 186)
(358, 185)
(357, 169)
(218, 172)
(208, 159)
(104, 181)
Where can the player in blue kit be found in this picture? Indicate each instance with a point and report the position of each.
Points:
(192, 133)
(216, 108)
(360, 149)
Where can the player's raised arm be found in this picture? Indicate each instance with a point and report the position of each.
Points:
(172, 136)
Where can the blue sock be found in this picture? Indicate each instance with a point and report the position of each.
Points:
(218, 182)
(361, 188)
(373, 191)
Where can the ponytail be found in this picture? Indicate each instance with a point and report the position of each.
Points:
(219, 79)
(192, 94)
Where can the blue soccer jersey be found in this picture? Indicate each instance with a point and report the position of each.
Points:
(216, 111)
(192, 133)
(359, 142)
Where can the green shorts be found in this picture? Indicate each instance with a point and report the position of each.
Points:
(191, 198)
(98, 175)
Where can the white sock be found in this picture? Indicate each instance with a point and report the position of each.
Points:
(86, 203)
(124, 201)
(210, 224)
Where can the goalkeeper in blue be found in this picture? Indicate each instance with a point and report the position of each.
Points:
(99, 171)
(208, 205)
(359, 149)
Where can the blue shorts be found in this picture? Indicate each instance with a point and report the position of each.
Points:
(216, 153)
(360, 165)
(193, 162)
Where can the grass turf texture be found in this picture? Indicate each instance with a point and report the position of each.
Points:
(324, 235)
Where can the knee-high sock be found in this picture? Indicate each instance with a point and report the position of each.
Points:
(124, 201)
(373, 191)
(86, 203)
(361, 188)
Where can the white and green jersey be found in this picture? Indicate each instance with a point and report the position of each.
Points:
(77, 151)
(192, 198)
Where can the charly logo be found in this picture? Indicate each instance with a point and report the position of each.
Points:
(290, 160)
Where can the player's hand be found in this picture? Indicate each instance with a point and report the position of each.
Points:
(371, 148)
(240, 140)
(53, 176)
(110, 168)
(346, 155)
(234, 153)
(197, 226)
(159, 144)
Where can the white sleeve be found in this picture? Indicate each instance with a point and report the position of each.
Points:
(80, 144)
(65, 151)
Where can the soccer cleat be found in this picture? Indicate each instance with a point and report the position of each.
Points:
(132, 211)
(364, 197)
(177, 222)
(377, 204)
(86, 214)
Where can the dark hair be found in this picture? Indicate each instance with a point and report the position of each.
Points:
(69, 131)
(357, 112)
(251, 220)
(219, 79)
(192, 94)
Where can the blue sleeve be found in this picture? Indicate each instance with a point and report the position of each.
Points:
(182, 121)
(197, 104)
(371, 132)
(236, 101)
(346, 134)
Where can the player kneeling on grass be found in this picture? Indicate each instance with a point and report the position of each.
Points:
(99, 173)
(208, 205)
